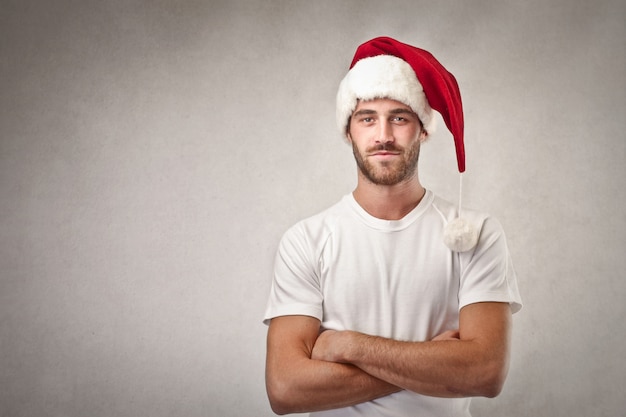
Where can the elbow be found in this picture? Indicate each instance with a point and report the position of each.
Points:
(481, 381)
(280, 397)
(279, 409)
(491, 381)
(279, 406)
(492, 390)
(278, 401)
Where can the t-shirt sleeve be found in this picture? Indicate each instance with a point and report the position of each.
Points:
(487, 273)
(295, 287)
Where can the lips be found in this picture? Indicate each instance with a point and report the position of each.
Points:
(385, 153)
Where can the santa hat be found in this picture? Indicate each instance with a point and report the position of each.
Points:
(386, 68)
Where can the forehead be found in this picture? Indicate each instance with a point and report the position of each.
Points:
(381, 105)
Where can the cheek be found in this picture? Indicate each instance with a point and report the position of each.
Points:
(361, 134)
(355, 137)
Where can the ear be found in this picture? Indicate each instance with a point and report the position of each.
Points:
(423, 137)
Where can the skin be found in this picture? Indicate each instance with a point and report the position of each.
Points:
(311, 371)
(386, 136)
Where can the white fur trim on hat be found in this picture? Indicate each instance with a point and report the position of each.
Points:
(382, 76)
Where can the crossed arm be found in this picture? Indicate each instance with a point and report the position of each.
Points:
(308, 371)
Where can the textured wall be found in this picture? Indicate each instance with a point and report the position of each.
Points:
(153, 152)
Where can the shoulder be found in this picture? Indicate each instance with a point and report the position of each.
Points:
(313, 231)
(449, 211)
(488, 226)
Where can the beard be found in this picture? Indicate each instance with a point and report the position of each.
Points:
(388, 172)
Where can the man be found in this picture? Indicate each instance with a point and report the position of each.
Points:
(370, 312)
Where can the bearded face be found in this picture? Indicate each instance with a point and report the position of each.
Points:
(387, 164)
(385, 135)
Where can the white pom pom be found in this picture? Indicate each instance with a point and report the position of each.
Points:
(460, 235)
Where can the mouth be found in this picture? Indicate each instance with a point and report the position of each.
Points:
(385, 154)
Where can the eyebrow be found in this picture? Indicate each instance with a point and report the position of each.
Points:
(402, 111)
(364, 112)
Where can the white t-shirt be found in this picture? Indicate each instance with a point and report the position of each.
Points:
(395, 279)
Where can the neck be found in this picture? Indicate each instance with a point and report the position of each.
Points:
(389, 202)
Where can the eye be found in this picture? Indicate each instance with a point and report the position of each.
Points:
(368, 120)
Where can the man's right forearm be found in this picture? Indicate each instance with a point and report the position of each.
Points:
(318, 385)
(296, 383)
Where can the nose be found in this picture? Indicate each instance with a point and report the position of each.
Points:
(385, 132)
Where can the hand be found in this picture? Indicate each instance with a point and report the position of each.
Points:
(327, 346)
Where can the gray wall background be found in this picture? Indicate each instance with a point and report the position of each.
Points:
(152, 153)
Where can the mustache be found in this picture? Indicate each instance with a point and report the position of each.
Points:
(386, 147)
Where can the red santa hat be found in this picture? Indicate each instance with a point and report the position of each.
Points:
(386, 68)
